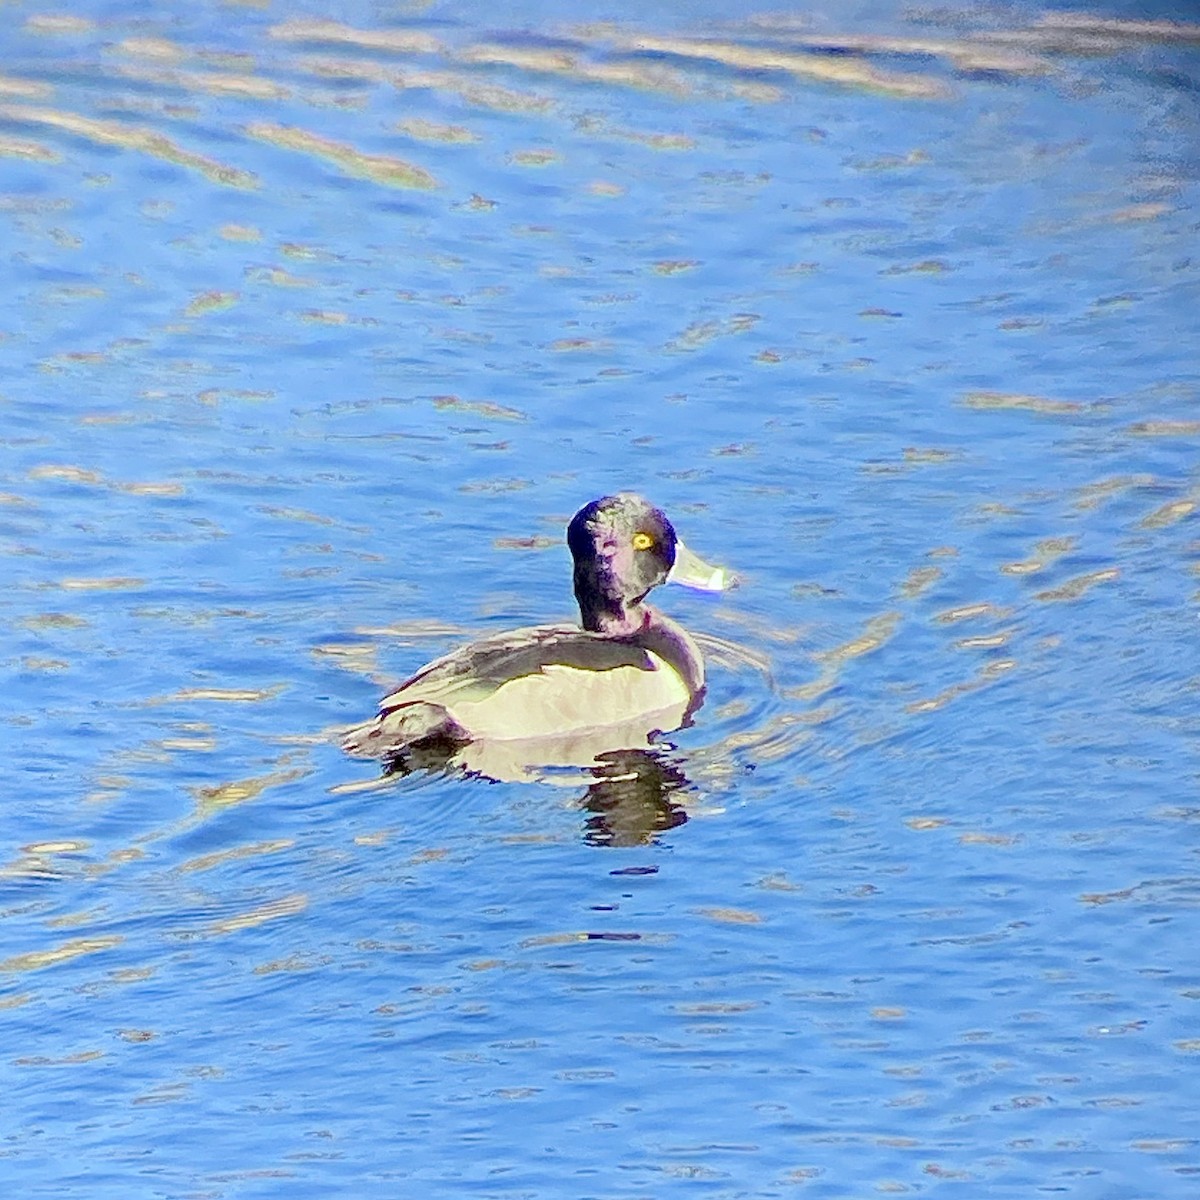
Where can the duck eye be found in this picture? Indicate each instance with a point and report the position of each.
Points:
(642, 541)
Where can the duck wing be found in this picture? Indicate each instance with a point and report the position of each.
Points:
(532, 683)
(482, 668)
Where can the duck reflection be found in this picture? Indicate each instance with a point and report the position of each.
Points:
(631, 796)
(637, 795)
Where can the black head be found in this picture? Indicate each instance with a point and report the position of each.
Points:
(622, 547)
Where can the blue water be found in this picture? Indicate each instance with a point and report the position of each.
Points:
(912, 908)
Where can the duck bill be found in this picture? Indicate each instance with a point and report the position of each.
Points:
(693, 572)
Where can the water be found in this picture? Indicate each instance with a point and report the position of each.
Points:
(911, 908)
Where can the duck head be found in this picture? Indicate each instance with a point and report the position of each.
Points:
(623, 546)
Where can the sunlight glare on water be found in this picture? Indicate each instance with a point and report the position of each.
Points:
(319, 330)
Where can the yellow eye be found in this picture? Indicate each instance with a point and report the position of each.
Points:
(642, 541)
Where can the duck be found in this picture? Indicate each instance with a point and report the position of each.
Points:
(507, 705)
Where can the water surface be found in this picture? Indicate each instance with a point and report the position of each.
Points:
(316, 335)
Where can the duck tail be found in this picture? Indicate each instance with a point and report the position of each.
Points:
(397, 729)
